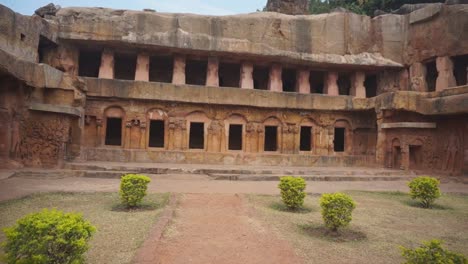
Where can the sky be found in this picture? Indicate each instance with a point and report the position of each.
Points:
(205, 7)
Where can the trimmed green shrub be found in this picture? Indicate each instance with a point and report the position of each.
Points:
(336, 210)
(292, 191)
(49, 236)
(133, 189)
(432, 252)
(425, 189)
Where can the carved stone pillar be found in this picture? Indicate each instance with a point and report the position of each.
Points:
(445, 78)
(357, 85)
(380, 146)
(251, 136)
(142, 68)
(275, 83)
(178, 75)
(106, 70)
(303, 82)
(289, 134)
(418, 77)
(99, 133)
(405, 157)
(246, 76)
(215, 132)
(331, 85)
(177, 134)
(143, 135)
(212, 77)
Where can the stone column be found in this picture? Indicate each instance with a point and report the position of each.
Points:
(246, 76)
(212, 77)
(178, 75)
(445, 79)
(357, 85)
(331, 85)
(106, 70)
(275, 83)
(418, 77)
(303, 82)
(142, 68)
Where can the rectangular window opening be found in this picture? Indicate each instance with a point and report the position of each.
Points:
(161, 68)
(316, 80)
(195, 72)
(271, 138)
(229, 75)
(371, 85)
(235, 137)
(114, 132)
(261, 78)
(89, 63)
(289, 80)
(460, 68)
(45, 46)
(339, 140)
(344, 83)
(306, 138)
(125, 66)
(431, 75)
(156, 136)
(197, 136)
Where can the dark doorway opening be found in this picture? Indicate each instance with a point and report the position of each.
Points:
(306, 138)
(396, 157)
(195, 72)
(415, 153)
(431, 75)
(271, 138)
(289, 80)
(344, 83)
(156, 136)
(261, 77)
(339, 141)
(160, 69)
(124, 66)
(229, 75)
(114, 131)
(235, 137)
(45, 45)
(371, 85)
(316, 80)
(197, 136)
(460, 67)
(89, 63)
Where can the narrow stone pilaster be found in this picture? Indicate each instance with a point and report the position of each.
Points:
(303, 82)
(357, 85)
(212, 77)
(106, 70)
(445, 78)
(246, 76)
(418, 77)
(178, 74)
(331, 85)
(142, 68)
(275, 83)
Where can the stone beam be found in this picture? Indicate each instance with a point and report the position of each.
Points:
(142, 68)
(331, 85)
(303, 82)
(409, 125)
(178, 75)
(106, 70)
(246, 76)
(275, 83)
(357, 85)
(212, 76)
(445, 77)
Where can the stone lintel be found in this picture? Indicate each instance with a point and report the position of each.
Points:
(409, 125)
(61, 109)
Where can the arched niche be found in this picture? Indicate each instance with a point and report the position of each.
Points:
(272, 134)
(342, 136)
(234, 127)
(197, 130)
(114, 126)
(157, 128)
(307, 130)
(396, 156)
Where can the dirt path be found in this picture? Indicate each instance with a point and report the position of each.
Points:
(220, 228)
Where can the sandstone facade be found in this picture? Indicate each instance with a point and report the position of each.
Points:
(337, 89)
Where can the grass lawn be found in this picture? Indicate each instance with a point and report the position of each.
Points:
(119, 232)
(381, 222)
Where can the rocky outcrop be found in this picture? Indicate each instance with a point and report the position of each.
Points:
(47, 10)
(290, 7)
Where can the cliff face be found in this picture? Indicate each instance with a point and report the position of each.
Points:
(290, 7)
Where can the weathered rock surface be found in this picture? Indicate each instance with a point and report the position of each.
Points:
(47, 10)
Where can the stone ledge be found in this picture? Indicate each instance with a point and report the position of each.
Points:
(68, 110)
(409, 125)
(425, 13)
